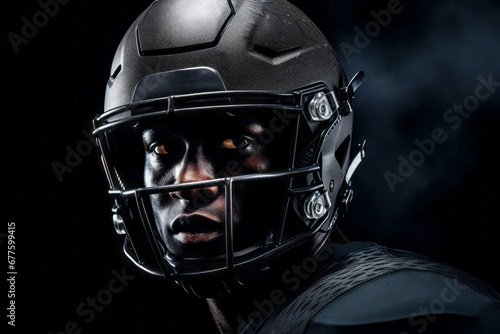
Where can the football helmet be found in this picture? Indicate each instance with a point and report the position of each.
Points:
(203, 59)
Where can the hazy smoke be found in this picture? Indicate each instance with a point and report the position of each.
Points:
(427, 59)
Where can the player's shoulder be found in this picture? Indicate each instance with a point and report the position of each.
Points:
(368, 288)
(388, 289)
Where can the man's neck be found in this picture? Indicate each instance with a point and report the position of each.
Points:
(221, 314)
(249, 307)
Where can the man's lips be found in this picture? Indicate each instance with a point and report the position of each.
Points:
(195, 229)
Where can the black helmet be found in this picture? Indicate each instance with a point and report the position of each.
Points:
(198, 60)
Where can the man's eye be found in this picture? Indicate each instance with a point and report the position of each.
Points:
(160, 150)
(233, 144)
(229, 144)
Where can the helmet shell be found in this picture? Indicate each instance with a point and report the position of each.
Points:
(252, 45)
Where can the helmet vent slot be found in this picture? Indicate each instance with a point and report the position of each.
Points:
(115, 73)
(272, 53)
(341, 152)
(305, 158)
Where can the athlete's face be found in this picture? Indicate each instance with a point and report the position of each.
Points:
(191, 222)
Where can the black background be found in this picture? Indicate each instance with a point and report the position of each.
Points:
(428, 58)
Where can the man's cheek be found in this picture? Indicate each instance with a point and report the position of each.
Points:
(156, 174)
(164, 210)
(165, 206)
(246, 208)
(151, 172)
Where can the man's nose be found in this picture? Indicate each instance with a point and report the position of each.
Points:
(195, 172)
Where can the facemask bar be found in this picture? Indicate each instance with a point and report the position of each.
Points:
(243, 100)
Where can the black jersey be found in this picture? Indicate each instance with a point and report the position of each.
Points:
(368, 288)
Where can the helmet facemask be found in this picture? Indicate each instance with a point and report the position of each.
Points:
(273, 198)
